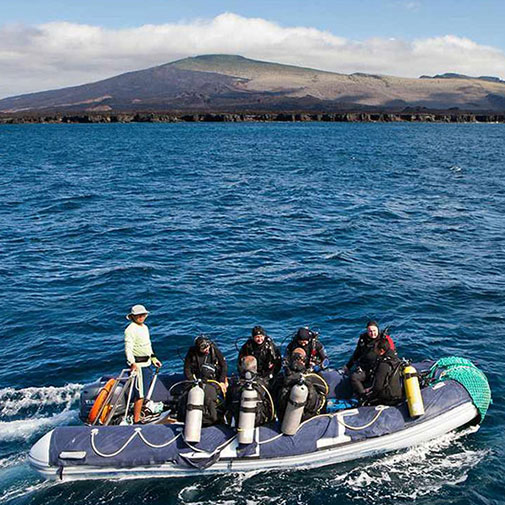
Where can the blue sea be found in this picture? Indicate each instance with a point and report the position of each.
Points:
(219, 227)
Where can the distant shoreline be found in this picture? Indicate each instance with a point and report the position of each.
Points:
(240, 117)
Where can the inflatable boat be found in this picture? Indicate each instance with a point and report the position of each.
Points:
(455, 395)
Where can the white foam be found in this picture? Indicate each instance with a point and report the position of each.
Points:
(12, 460)
(13, 401)
(19, 491)
(25, 428)
(419, 471)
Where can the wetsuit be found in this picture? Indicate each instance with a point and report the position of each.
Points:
(205, 366)
(365, 358)
(267, 356)
(387, 386)
(213, 404)
(264, 407)
(315, 354)
(317, 391)
(211, 368)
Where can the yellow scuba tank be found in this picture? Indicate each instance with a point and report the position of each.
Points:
(413, 391)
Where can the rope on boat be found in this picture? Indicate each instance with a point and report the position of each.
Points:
(156, 446)
(271, 439)
(137, 431)
(217, 449)
(379, 409)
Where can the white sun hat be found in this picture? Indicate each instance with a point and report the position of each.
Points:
(136, 311)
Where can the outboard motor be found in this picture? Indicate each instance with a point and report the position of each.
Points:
(90, 393)
(88, 396)
(294, 410)
(247, 415)
(194, 414)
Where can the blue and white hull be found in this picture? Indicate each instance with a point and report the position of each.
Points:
(86, 452)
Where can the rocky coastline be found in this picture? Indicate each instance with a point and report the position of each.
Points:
(217, 117)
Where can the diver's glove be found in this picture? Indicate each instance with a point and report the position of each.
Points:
(324, 364)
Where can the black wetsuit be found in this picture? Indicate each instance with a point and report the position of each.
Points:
(315, 354)
(316, 399)
(364, 355)
(388, 382)
(209, 368)
(213, 404)
(264, 407)
(267, 356)
(205, 366)
(365, 358)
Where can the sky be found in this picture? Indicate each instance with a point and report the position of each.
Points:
(48, 44)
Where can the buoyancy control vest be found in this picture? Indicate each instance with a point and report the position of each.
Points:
(265, 409)
(267, 356)
(316, 399)
(213, 403)
(204, 366)
(315, 354)
(388, 380)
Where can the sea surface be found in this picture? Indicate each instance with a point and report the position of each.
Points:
(219, 227)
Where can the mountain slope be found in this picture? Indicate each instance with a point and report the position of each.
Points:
(224, 82)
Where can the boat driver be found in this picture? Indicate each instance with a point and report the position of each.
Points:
(139, 355)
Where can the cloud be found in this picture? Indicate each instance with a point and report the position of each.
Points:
(60, 54)
(410, 5)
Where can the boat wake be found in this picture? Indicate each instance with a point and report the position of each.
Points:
(24, 415)
(424, 470)
(26, 412)
(420, 471)
(24, 488)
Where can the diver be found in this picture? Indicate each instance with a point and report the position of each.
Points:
(316, 358)
(363, 361)
(296, 372)
(139, 355)
(205, 363)
(387, 387)
(262, 347)
(250, 379)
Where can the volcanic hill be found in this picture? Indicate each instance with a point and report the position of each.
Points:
(225, 83)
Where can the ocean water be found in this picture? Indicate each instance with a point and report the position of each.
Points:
(219, 227)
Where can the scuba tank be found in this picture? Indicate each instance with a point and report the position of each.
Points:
(194, 413)
(294, 409)
(247, 416)
(413, 391)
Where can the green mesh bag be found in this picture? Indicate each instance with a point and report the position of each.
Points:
(468, 375)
